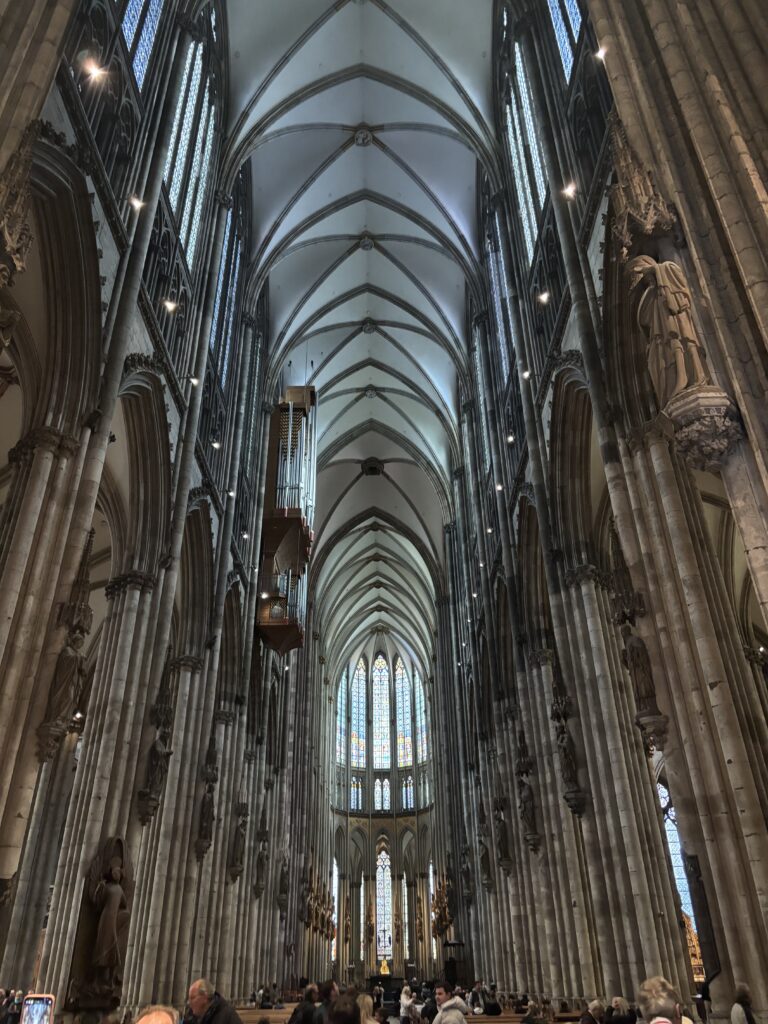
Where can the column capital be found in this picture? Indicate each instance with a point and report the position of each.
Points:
(223, 198)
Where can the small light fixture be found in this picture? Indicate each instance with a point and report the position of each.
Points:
(79, 716)
(499, 487)
(194, 381)
(135, 202)
(526, 374)
(287, 668)
(600, 54)
(761, 650)
(488, 529)
(94, 71)
(170, 305)
(543, 297)
(230, 493)
(570, 190)
(463, 644)
(458, 663)
(482, 565)
(245, 535)
(474, 594)
(510, 438)
(216, 444)
(264, 595)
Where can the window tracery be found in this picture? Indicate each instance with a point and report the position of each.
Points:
(341, 721)
(406, 936)
(381, 715)
(565, 16)
(421, 719)
(140, 23)
(403, 705)
(357, 721)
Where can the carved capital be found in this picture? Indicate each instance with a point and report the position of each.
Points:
(190, 662)
(140, 362)
(707, 426)
(223, 717)
(223, 198)
(127, 581)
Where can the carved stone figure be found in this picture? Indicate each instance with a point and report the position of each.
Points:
(635, 657)
(282, 887)
(237, 855)
(502, 838)
(67, 683)
(627, 602)
(566, 748)
(466, 873)
(526, 805)
(486, 877)
(419, 919)
(664, 315)
(262, 862)
(347, 922)
(157, 764)
(370, 928)
(304, 897)
(109, 887)
(205, 824)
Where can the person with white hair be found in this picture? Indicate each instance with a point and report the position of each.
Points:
(208, 1007)
(659, 1001)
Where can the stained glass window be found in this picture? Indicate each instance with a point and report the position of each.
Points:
(341, 721)
(377, 795)
(144, 13)
(481, 410)
(504, 279)
(198, 174)
(675, 849)
(431, 905)
(355, 795)
(172, 146)
(362, 919)
(383, 905)
(131, 20)
(226, 341)
(403, 704)
(176, 163)
(520, 174)
(406, 937)
(381, 716)
(421, 719)
(357, 722)
(574, 16)
(498, 313)
(562, 36)
(532, 138)
(223, 266)
(408, 793)
(335, 892)
(202, 186)
(385, 795)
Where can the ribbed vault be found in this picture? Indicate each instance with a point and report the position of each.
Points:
(364, 123)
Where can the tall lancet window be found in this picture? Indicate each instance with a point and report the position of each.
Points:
(421, 719)
(341, 721)
(362, 918)
(566, 22)
(140, 22)
(355, 794)
(381, 716)
(406, 936)
(189, 154)
(681, 880)
(335, 893)
(383, 905)
(525, 153)
(432, 903)
(357, 720)
(408, 793)
(221, 339)
(403, 702)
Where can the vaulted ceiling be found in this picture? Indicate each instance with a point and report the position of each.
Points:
(364, 123)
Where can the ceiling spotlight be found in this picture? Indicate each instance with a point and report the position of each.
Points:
(761, 650)
(474, 594)
(170, 305)
(287, 668)
(458, 663)
(510, 438)
(526, 375)
(499, 487)
(194, 381)
(600, 54)
(543, 298)
(264, 595)
(230, 493)
(463, 644)
(482, 565)
(570, 190)
(135, 202)
(216, 444)
(79, 716)
(245, 535)
(488, 529)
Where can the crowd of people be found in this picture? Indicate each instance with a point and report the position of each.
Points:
(438, 1003)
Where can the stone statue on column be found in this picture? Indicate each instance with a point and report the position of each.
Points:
(63, 696)
(283, 886)
(205, 823)
(649, 720)
(503, 855)
(419, 919)
(158, 756)
(486, 877)
(370, 928)
(468, 890)
(237, 853)
(347, 922)
(675, 352)
(262, 864)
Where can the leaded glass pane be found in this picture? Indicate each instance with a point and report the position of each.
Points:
(431, 904)
(341, 721)
(520, 174)
(362, 920)
(562, 37)
(406, 937)
(501, 332)
(377, 795)
(223, 265)
(191, 194)
(421, 719)
(383, 905)
(357, 722)
(229, 322)
(200, 200)
(530, 128)
(146, 41)
(131, 20)
(179, 161)
(574, 16)
(504, 279)
(675, 850)
(381, 717)
(385, 795)
(408, 793)
(355, 795)
(481, 411)
(170, 159)
(403, 704)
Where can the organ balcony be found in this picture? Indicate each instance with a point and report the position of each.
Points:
(288, 516)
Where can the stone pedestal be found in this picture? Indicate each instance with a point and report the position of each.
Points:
(706, 425)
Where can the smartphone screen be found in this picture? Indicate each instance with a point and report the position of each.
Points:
(37, 1009)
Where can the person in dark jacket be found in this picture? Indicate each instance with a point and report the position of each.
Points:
(620, 1012)
(208, 1007)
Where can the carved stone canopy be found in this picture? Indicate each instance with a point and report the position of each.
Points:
(707, 426)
